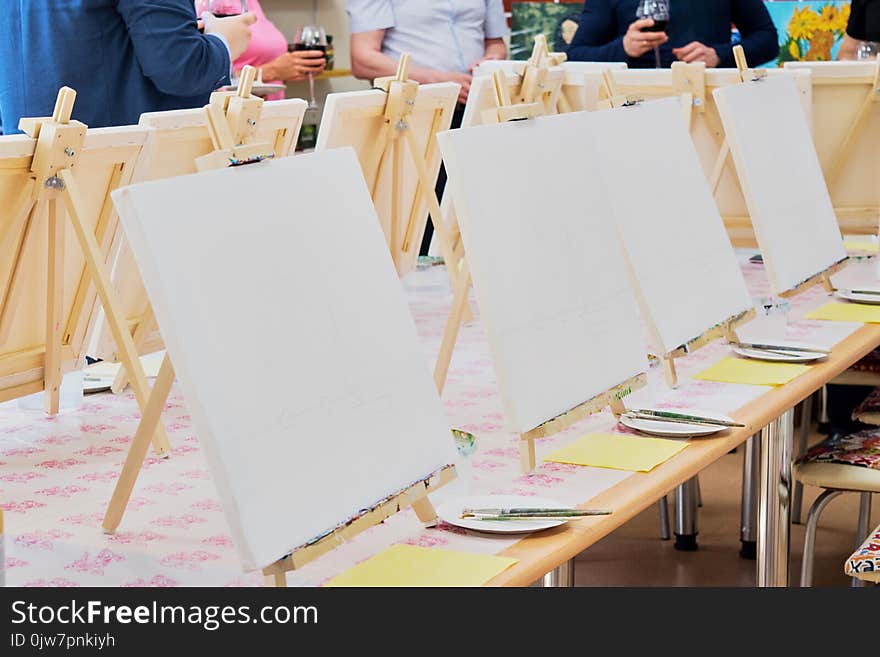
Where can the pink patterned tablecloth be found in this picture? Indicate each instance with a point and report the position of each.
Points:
(56, 474)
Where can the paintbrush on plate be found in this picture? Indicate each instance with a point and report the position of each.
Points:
(678, 418)
(782, 349)
(866, 292)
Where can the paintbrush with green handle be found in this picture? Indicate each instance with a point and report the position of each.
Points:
(680, 418)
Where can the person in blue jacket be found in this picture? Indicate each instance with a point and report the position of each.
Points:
(698, 31)
(122, 57)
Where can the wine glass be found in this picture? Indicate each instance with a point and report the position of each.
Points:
(658, 10)
(311, 37)
(223, 9)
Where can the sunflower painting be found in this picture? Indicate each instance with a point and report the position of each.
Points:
(809, 31)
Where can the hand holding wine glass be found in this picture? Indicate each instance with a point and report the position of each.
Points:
(657, 11)
(311, 38)
(229, 18)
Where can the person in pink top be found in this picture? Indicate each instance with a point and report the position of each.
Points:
(268, 52)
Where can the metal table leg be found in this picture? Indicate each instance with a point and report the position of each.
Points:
(801, 449)
(774, 508)
(686, 516)
(863, 528)
(561, 577)
(748, 532)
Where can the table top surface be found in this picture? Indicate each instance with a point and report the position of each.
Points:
(56, 475)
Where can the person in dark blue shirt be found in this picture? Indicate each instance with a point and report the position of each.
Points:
(698, 31)
(122, 57)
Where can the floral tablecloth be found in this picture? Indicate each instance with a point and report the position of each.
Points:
(57, 474)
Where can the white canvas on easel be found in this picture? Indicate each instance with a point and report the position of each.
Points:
(343, 412)
(175, 140)
(707, 132)
(777, 165)
(547, 266)
(678, 251)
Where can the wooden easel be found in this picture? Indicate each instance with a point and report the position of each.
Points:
(396, 128)
(689, 81)
(180, 143)
(415, 496)
(537, 95)
(830, 95)
(233, 113)
(232, 120)
(59, 142)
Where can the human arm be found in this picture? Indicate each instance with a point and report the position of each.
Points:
(759, 39)
(171, 51)
(598, 40)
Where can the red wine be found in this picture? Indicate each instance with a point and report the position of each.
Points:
(658, 26)
(292, 47)
(219, 15)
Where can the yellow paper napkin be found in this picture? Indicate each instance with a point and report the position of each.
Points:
(847, 312)
(752, 372)
(865, 246)
(618, 452)
(409, 565)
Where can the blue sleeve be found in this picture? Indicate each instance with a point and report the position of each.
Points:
(172, 52)
(597, 38)
(759, 40)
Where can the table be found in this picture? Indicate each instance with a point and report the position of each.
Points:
(56, 475)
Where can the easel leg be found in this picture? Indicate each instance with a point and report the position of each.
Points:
(278, 580)
(527, 454)
(718, 169)
(145, 325)
(138, 450)
(455, 272)
(453, 325)
(107, 293)
(54, 311)
(669, 372)
(396, 184)
(425, 511)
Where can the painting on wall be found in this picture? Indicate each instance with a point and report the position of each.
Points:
(558, 21)
(808, 31)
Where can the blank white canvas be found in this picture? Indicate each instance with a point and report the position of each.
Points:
(678, 249)
(292, 341)
(548, 271)
(772, 148)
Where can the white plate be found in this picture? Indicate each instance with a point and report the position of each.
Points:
(872, 299)
(676, 429)
(101, 384)
(789, 357)
(450, 512)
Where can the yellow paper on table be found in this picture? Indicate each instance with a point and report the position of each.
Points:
(847, 312)
(618, 452)
(752, 372)
(409, 565)
(865, 246)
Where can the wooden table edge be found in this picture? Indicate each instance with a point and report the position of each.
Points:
(540, 553)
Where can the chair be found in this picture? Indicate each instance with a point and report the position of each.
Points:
(841, 464)
(864, 564)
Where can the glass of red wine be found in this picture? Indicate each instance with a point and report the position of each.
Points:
(223, 9)
(658, 10)
(311, 37)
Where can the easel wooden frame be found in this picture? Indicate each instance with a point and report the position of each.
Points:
(694, 84)
(756, 76)
(231, 113)
(402, 97)
(835, 156)
(536, 92)
(58, 143)
(689, 80)
(170, 133)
